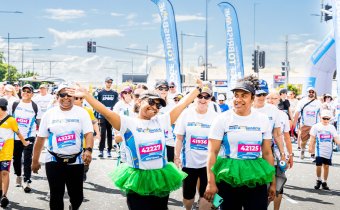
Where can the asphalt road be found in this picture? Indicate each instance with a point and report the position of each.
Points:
(100, 194)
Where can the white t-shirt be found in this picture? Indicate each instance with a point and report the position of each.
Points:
(65, 131)
(241, 136)
(324, 136)
(195, 129)
(169, 135)
(10, 100)
(285, 127)
(25, 116)
(310, 115)
(123, 108)
(145, 141)
(273, 114)
(43, 101)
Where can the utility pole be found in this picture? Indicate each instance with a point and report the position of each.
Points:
(287, 63)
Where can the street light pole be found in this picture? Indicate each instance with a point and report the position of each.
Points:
(206, 39)
(147, 56)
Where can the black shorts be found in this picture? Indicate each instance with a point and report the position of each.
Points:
(190, 182)
(321, 160)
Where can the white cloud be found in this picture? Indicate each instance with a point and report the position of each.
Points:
(114, 14)
(185, 18)
(60, 37)
(131, 16)
(64, 14)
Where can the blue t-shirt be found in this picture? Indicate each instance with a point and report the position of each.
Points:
(224, 107)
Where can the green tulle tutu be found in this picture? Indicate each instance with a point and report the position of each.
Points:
(156, 182)
(239, 173)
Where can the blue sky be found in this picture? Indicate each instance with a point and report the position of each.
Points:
(68, 25)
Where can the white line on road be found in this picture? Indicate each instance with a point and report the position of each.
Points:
(289, 199)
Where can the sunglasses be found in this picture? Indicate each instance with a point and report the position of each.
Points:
(27, 91)
(261, 94)
(206, 97)
(163, 88)
(171, 86)
(126, 92)
(63, 95)
(176, 100)
(136, 95)
(109, 82)
(79, 98)
(326, 118)
(153, 102)
(311, 91)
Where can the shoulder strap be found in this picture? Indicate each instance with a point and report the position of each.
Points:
(35, 109)
(215, 107)
(4, 120)
(306, 105)
(14, 106)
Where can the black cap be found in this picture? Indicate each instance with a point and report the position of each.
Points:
(152, 95)
(161, 83)
(283, 91)
(3, 102)
(244, 86)
(28, 86)
(108, 79)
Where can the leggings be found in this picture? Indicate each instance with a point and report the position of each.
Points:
(140, 202)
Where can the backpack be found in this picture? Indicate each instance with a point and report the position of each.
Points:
(34, 105)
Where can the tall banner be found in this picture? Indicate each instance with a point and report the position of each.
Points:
(336, 19)
(170, 42)
(234, 56)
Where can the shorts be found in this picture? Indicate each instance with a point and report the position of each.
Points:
(321, 160)
(5, 165)
(304, 131)
(190, 182)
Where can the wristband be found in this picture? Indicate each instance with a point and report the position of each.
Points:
(88, 149)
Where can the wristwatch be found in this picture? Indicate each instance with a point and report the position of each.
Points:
(199, 89)
(89, 149)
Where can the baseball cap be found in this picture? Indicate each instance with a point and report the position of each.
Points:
(245, 86)
(172, 84)
(310, 88)
(43, 86)
(28, 86)
(283, 91)
(220, 97)
(9, 87)
(153, 95)
(3, 102)
(326, 113)
(108, 79)
(263, 87)
(161, 83)
(61, 86)
(206, 89)
(16, 83)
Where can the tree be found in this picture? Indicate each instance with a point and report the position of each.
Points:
(27, 74)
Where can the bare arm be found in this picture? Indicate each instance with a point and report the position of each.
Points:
(37, 148)
(22, 139)
(268, 156)
(279, 141)
(178, 148)
(213, 149)
(289, 147)
(87, 155)
(296, 117)
(336, 140)
(311, 147)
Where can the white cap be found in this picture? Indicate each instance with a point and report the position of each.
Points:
(220, 97)
(9, 88)
(326, 113)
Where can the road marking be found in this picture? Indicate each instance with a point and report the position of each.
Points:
(289, 199)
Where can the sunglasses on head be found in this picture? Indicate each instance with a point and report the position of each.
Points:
(79, 98)
(206, 97)
(163, 88)
(261, 94)
(27, 91)
(153, 102)
(171, 86)
(63, 95)
(326, 118)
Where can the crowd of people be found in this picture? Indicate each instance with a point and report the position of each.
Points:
(230, 150)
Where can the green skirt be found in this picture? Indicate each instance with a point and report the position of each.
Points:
(239, 173)
(156, 182)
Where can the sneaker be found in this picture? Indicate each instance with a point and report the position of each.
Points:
(101, 154)
(318, 184)
(302, 155)
(18, 182)
(109, 154)
(27, 188)
(4, 202)
(324, 186)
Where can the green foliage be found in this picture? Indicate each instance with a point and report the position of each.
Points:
(27, 74)
(296, 88)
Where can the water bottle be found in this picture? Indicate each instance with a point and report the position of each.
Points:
(282, 165)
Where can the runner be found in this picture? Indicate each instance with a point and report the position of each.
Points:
(241, 176)
(192, 129)
(65, 126)
(8, 126)
(322, 136)
(221, 102)
(147, 177)
(43, 99)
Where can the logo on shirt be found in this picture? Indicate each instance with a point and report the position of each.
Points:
(198, 124)
(147, 130)
(108, 98)
(246, 128)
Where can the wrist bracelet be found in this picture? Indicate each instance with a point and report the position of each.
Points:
(89, 149)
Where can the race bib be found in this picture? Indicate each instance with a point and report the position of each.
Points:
(248, 150)
(151, 151)
(2, 143)
(23, 121)
(199, 142)
(66, 140)
(310, 113)
(325, 137)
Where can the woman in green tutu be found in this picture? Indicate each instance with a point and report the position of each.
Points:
(240, 175)
(146, 177)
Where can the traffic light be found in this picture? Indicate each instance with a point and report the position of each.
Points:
(202, 77)
(255, 58)
(94, 45)
(283, 68)
(327, 15)
(262, 59)
(89, 46)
